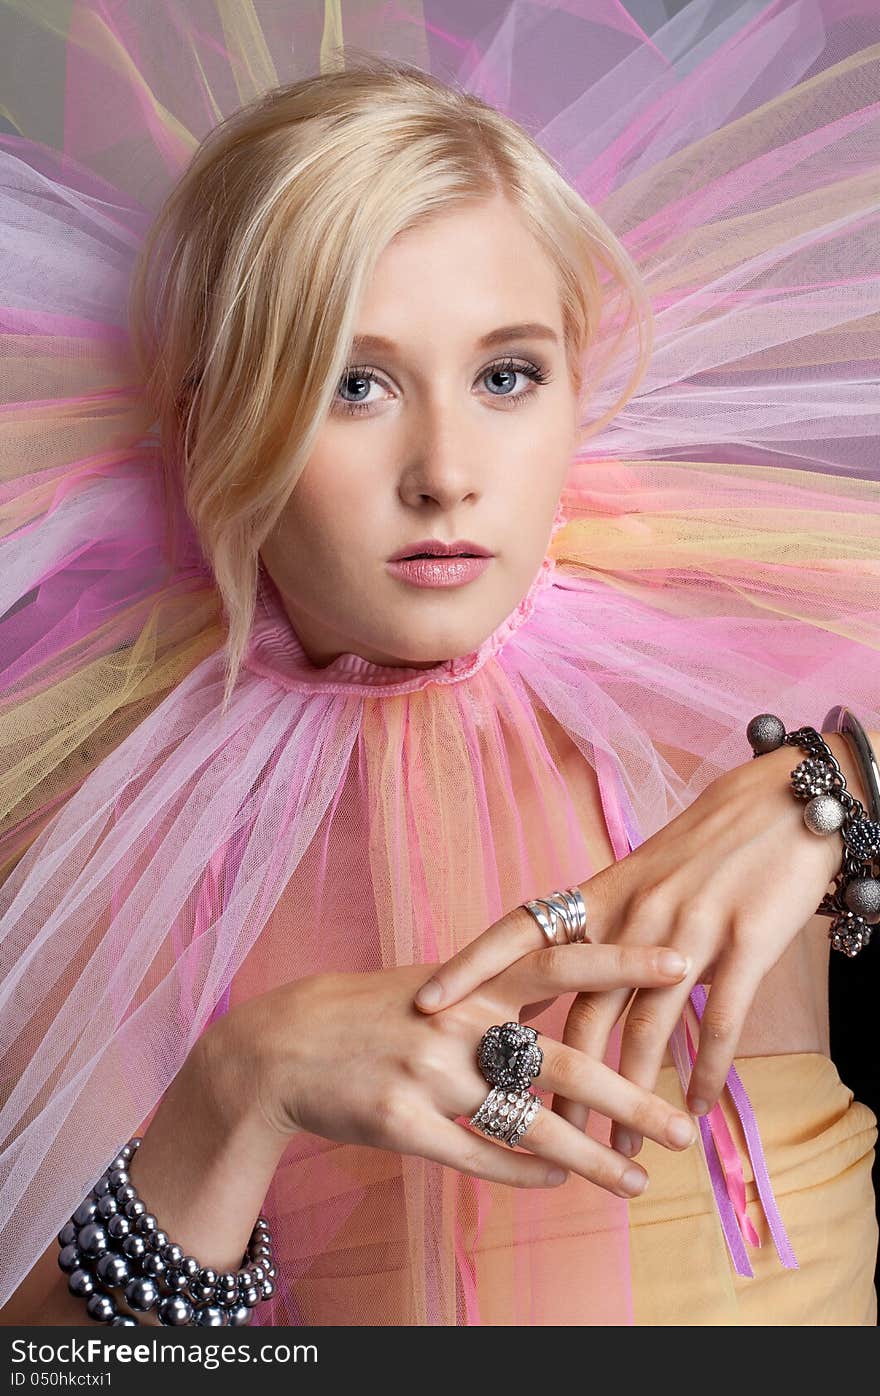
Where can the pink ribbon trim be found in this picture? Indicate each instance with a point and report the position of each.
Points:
(746, 1114)
(729, 1160)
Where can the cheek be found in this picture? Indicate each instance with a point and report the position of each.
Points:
(319, 513)
(541, 469)
(336, 493)
(549, 438)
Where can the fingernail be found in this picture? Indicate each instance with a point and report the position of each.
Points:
(430, 993)
(680, 1132)
(624, 1143)
(556, 1176)
(699, 1107)
(634, 1181)
(673, 964)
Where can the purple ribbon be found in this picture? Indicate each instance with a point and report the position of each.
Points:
(752, 1134)
(732, 1234)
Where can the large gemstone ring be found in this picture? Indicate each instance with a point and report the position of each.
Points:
(509, 1056)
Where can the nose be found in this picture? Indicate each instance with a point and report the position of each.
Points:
(440, 464)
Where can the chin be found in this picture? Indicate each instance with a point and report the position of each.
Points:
(437, 639)
(426, 655)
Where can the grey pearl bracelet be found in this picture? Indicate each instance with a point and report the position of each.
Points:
(854, 903)
(113, 1242)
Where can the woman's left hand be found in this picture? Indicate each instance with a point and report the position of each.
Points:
(729, 883)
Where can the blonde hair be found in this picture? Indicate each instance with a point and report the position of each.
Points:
(244, 297)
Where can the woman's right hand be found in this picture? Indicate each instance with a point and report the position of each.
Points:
(349, 1057)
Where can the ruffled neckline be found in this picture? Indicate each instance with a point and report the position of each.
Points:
(274, 650)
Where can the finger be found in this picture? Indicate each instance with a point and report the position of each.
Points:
(734, 985)
(442, 1140)
(552, 1138)
(545, 969)
(559, 969)
(592, 1017)
(588, 1028)
(583, 1079)
(649, 1024)
(514, 935)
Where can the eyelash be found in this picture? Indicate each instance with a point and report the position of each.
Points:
(531, 370)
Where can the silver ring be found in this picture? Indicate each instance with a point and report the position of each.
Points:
(563, 912)
(509, 1056)
(494, 1110)
(525, 1120)
(506, 1115)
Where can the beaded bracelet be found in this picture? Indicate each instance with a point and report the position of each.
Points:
(855, 901)
(112, 1241)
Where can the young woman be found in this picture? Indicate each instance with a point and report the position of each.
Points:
(266, 780)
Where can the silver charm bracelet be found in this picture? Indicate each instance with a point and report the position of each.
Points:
(854, 903)
(112, 1241)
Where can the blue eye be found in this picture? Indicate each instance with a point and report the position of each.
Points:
(362, 378)
(508, 370)
(359, 379)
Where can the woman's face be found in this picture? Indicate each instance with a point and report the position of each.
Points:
(435, 433)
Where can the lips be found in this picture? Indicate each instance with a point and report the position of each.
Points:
(435, 547)
(439, 571)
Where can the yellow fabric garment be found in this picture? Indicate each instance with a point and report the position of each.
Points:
(819, 1145)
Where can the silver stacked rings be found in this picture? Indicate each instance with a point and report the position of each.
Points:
(509, 1059)
(506, 1115)
(508, 1055)
(562, 916)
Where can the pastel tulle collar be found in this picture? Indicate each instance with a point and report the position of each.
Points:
(275, 651)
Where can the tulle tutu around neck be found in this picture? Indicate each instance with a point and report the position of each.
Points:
(715, 555)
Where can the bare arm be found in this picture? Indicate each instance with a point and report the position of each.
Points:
(271, 1067)
(203, 1170)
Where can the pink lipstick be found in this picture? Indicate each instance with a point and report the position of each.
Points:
(439, 571)
(433, 563)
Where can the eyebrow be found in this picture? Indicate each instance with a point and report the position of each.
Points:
(529, 329)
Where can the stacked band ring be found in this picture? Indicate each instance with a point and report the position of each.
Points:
(506, 1115)
(561, 916)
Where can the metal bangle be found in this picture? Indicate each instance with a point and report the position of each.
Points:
(843, 720)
